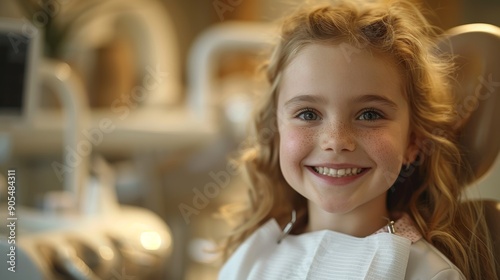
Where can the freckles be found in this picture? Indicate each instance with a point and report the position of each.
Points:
(308, 137)
(298, 137)
(296, 140)
(384, 148)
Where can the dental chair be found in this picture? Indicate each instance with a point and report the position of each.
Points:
(476, 48)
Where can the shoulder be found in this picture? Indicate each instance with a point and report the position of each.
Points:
(427, 262)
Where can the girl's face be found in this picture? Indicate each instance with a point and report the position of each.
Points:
(344, 127)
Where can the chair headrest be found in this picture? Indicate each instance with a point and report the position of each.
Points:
(476, 48)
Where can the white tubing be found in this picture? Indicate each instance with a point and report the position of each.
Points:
(58, 76)
(207, 49)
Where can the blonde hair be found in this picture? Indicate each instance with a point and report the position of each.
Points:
(431, 190)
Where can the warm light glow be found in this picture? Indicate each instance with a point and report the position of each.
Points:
(106, 253)
(150, 240)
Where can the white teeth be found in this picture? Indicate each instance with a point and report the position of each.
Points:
(338, 172)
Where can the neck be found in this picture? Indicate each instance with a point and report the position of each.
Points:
(360, 222)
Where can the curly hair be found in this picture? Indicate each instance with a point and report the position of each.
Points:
(431, 191)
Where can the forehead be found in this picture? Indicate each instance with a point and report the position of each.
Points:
(328, 68)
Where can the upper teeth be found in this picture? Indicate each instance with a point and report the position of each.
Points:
(338, 172)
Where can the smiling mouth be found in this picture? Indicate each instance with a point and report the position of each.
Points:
(338, 173)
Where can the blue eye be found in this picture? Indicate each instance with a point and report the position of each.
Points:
(370, 115)
(308, 115)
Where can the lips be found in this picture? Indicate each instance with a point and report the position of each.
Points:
(337, 172)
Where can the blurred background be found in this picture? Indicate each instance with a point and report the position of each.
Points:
(128, 118)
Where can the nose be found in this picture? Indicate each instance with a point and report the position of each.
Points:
(337, 137)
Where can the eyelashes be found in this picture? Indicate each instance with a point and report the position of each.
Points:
(370, 114)
(367, 114)
(308, 114)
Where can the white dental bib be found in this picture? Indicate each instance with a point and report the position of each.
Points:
(322, 254)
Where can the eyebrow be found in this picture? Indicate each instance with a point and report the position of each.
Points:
(361, 99)
(376, 98)
(305, 98)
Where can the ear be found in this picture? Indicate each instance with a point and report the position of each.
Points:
(412, 150)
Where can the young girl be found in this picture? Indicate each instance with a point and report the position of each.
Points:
(353, 168)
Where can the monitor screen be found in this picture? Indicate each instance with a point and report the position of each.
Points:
(19, 53)
(13, 60)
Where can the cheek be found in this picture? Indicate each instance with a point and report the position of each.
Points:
(387, 149)
(295, 144)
